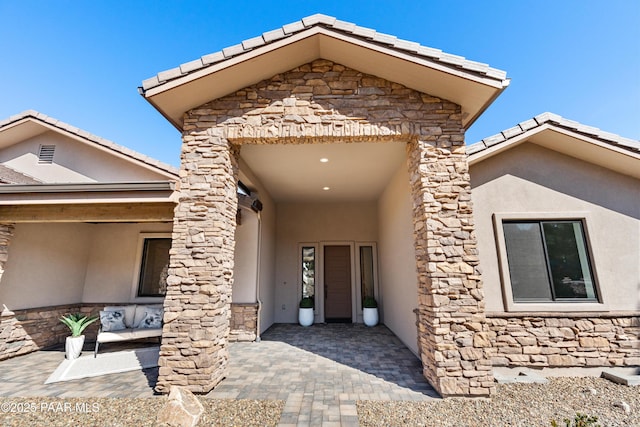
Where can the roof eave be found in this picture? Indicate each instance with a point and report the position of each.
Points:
(320, 42)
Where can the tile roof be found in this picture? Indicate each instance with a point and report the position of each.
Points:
(10, 176)
(90, 137)
(554, 119)
(407, 47)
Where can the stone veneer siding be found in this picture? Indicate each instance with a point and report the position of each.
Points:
(244, 322)
(27, 330)
(452, 330)
(324, 102)
(194, 351)
(580, 339)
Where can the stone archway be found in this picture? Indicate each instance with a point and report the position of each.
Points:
(324, 102)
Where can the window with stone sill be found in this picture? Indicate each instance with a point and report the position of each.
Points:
(548, 261)
(154, 267)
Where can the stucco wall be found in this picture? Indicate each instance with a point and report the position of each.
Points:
(310, 222)
(246, 257)
(73, 161)
(245, 261)
(529, 178)
(46, 265)
(396, 259)
(114, 260)
(267, 262)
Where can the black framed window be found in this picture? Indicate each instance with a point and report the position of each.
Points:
(549, 261)
(155, 264)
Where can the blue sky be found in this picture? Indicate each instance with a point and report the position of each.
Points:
(81, 62)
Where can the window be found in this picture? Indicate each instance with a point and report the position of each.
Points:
(154, 265)
(366, 272)
(548, 261)
(308, 271)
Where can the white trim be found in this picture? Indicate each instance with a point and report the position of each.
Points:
(507, 291)
(138, 264)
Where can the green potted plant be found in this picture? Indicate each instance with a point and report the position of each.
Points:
(305, 311)
(370, 311)
(76, 323)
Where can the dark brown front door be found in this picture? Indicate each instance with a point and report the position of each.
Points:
(337, 284)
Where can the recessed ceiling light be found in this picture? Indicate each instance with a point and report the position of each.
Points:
(326, 188)
(324, 160)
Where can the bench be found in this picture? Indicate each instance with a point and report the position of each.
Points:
(129, 322)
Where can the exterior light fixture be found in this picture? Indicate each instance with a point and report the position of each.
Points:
(324, 160)
(326, 188)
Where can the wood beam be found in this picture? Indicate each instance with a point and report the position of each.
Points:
(99, 212)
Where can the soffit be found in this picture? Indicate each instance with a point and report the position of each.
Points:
(179, 93)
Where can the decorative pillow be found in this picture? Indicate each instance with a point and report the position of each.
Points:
(112, 320)
(152, 318)
(129, 313)
(141, 313)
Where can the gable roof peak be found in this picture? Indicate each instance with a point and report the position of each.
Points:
(332, 23)
(57, 125)
(470, 84)
(545, 120)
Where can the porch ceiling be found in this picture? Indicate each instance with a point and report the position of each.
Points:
(353, 172)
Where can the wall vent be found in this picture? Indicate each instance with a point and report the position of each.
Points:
(45, 154)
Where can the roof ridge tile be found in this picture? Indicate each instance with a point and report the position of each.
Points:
(253, 42)
(234, 50)
(187, 67)
(318, 18)
(293, 27)
(273, 35)
(367, 33)
(345, 26)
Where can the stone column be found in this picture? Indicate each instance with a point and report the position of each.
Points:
(194, 350)
(452, 331)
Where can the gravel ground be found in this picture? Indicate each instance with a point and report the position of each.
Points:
(515, 405)
(131, 412)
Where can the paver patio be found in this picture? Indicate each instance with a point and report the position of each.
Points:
(320, 372)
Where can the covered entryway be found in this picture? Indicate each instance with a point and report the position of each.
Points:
(310, 86)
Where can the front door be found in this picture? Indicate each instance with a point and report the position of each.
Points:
(337, 284)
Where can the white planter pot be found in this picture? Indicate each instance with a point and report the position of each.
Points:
(305, 316)
(73, 347)
(370, 316)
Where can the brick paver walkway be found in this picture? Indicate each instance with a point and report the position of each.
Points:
(320, 372)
